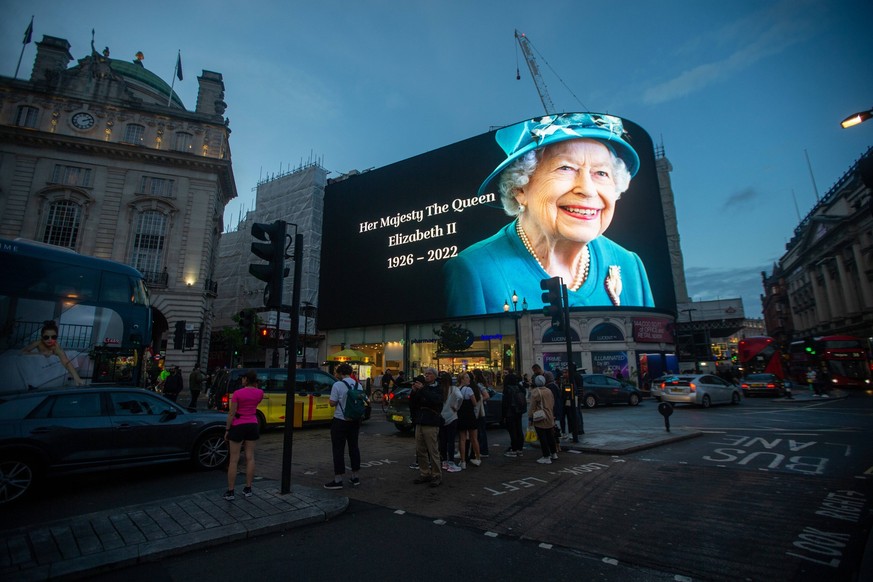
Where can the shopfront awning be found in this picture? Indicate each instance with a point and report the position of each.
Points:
(349, 355)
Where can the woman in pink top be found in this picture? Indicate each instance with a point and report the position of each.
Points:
(242, 427)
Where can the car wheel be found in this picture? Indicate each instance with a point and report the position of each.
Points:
(18, 477)
(210, 452)
(590, 401)
(633, 400)
(707, 401)
(735, 398)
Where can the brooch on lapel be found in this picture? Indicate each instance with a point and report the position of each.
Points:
(613, 284)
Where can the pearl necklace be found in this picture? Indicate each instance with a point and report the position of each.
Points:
(581, 272)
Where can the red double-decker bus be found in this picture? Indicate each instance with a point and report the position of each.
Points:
(841, 361)
(760, 355)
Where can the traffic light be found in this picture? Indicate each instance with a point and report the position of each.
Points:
(246, 321)
(179, 336)
(272, 251)
(552, 300)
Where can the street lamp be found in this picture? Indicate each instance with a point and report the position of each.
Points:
(856, 118)
(515, 317)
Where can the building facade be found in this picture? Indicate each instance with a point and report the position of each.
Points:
(297, 197)
(102, 158)
(826, 273)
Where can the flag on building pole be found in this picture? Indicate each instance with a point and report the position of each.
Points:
(176, 74)
(28, 36)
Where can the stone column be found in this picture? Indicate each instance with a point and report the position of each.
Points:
(850, 296)
(822, 308)
(860, 269)
(836, 306)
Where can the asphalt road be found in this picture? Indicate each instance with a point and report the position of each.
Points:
(771, 491)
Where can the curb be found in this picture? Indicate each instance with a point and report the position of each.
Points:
(78, 547)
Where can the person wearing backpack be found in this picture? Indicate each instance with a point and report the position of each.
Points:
(346, 397)
(513, 408)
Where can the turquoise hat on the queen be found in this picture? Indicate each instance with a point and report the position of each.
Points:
(539, 132)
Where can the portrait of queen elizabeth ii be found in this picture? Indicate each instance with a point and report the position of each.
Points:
(561, 180)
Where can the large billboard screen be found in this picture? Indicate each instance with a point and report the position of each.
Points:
(432, 237)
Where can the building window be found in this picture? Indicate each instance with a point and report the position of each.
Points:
(148, 242)
(134, 133)
(156, 186)
(184, 141)
(27, 116)
(72, 176)
(62, 226)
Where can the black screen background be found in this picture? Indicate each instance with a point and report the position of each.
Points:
(358, 289)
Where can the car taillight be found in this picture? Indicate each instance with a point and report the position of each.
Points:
(390, 396)
(224, 401)
(663, 385)
(771, 385)
(692, 386)
(744, 385)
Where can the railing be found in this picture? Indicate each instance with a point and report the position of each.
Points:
(158, 279)
(70, 336)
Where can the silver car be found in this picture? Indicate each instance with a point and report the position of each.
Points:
(699, 389)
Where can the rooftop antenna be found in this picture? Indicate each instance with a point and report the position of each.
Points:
(811, 176)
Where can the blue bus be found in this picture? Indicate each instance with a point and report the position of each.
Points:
(96, 312)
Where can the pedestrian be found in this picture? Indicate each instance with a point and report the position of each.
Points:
(571, 414)
(414, 411)
(242, 428)
(162, 377)
(482, 382)
(558, 408)
(512, 412)
(344, 431)
(387, 381)
(427, 398)
(173, 384)
(448, 433)
(195, 384)
(541, 416)
(467, 420)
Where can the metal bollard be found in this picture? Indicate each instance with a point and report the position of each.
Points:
(666, 409)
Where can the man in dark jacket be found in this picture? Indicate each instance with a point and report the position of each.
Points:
(173, 384)
(512, 412)
(195, 385)
(427, 400)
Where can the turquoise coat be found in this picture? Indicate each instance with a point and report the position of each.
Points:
(482, 278)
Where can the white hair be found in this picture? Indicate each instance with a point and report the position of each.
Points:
(518, 173)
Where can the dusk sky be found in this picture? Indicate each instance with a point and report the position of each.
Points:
(740, 93)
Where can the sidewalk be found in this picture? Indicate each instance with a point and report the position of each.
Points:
(86, 544)
(75, 547)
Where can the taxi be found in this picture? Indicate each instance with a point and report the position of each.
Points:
(312, 389)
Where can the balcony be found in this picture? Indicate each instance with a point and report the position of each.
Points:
(156, 279)
(210, 287)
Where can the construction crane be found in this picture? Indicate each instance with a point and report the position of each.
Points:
(527, 49)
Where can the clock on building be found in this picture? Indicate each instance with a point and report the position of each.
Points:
(82, 120)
